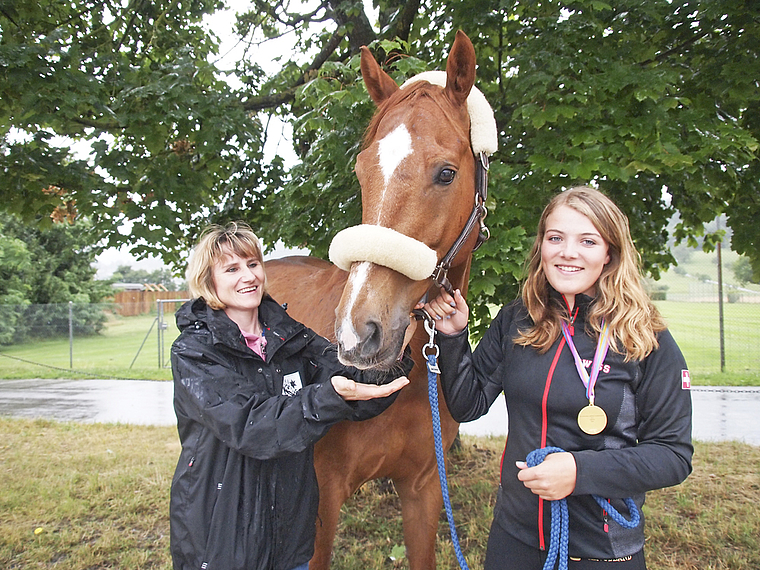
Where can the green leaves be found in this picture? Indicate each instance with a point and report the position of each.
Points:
(655, 102)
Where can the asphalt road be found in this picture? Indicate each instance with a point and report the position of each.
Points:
(720, 413)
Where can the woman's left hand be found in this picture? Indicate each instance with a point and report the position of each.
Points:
(552, 479)
(350, 390)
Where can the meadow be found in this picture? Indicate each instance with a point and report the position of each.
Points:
(97, 496)
(128, 347)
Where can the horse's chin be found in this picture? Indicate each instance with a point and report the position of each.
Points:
(383, 361)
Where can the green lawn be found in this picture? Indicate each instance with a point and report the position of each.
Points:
(696, 328)
(96, 496)
(108, 354)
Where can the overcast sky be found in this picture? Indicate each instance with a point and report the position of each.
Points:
(279, 139)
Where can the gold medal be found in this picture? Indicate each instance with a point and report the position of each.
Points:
(592, 419)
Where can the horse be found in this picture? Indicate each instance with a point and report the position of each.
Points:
(417, 172)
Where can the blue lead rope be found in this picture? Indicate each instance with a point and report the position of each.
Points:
(559, 538)
(433, 371)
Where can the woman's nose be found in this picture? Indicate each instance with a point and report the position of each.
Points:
(569, 250)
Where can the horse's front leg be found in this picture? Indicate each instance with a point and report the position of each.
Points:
(421, 504)
(335, 487)
(420, 493)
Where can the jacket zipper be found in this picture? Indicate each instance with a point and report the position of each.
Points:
(545, 425)
(544, 429)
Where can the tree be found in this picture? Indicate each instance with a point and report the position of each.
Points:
(743, 271)
(41, 271)
(657, 102)
(126, 274)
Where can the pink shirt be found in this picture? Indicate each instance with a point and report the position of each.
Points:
(256, 343)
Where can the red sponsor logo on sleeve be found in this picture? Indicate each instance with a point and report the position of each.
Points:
(685, 380)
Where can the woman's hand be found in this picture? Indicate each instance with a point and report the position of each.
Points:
(552, 479)
(350, 390)
(450, 313)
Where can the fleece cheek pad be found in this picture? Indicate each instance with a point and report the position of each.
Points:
(383, 246)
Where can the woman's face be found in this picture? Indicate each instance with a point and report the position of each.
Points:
(239, 282)
(573, 253)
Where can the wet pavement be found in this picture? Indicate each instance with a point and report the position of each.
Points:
(719, 413)
(142, 402)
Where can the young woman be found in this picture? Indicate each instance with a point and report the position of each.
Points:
(623, 423)
(253, 391)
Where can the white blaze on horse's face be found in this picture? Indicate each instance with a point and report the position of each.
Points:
(348, 336)
(392, 149)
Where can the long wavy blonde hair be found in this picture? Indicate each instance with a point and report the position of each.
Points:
(621, 299)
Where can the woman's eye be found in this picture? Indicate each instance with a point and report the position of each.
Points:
(446, 176)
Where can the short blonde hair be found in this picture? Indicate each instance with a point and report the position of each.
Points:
(620, 298)
(215, 243)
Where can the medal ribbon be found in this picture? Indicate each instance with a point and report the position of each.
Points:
(601, 352)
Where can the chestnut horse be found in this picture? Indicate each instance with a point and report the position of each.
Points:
(417, 172)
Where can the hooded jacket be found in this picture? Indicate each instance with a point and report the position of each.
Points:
(244, 494)
(646, 444)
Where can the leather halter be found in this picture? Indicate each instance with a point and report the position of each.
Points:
(477, 216)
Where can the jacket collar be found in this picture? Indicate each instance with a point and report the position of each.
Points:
(278, 325)
(582, 303)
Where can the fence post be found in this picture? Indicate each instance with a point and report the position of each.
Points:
(71, 335)
(159, 320)
(720, 309)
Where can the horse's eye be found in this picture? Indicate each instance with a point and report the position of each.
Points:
(446, 176)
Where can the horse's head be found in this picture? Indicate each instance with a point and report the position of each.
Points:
(417, 173)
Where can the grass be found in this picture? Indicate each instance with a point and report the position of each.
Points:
(696, 328)
(96, 496)
(109, 354)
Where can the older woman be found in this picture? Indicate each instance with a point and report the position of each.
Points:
(253, 391)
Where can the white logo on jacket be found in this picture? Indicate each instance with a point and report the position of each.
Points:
(291, 384)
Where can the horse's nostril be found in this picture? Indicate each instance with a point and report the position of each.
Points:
(372, 339)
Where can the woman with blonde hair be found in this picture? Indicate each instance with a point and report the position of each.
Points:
(597, 391)
(253, 392)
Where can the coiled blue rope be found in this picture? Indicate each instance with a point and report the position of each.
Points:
(433, 371)
(560, 533)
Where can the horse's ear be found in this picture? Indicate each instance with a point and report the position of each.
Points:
(379, 84)
(460, 69)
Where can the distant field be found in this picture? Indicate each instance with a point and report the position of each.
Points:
(695, 326)
(108, 354)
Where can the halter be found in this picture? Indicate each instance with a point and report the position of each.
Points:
(477, 216)
(352, 244)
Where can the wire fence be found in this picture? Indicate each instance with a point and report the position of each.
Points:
(90, 339)
(98, 339)
(717, 333)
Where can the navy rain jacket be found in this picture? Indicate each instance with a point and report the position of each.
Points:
(244, 494)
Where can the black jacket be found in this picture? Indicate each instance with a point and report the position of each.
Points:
(646, 444)
(244, 494)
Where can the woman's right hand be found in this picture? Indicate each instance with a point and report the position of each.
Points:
(450, 313)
